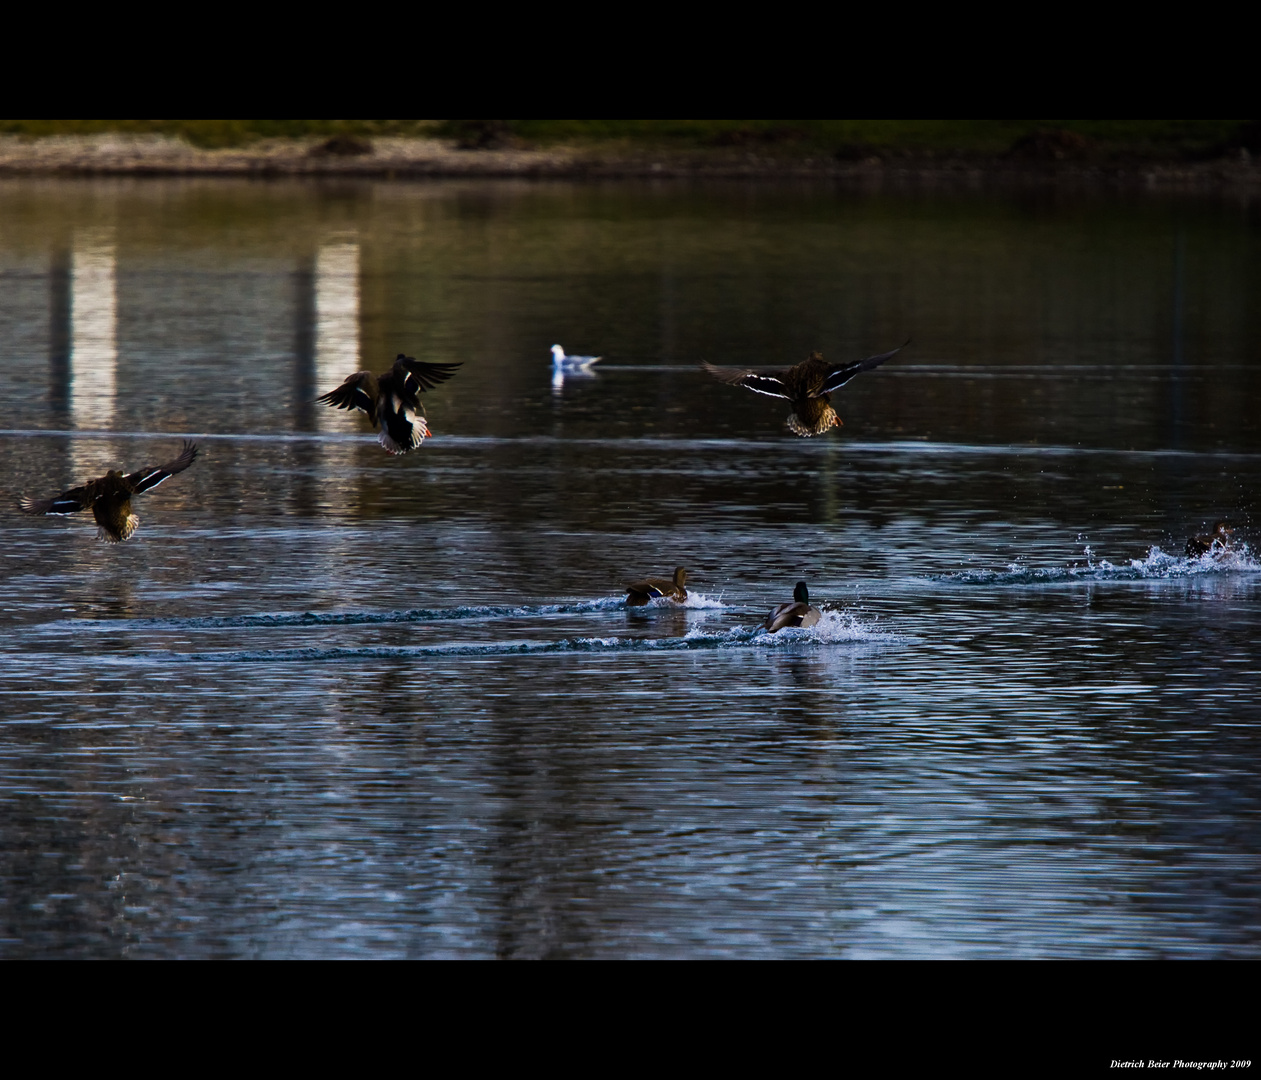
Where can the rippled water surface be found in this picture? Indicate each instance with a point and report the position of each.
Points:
(327, 702)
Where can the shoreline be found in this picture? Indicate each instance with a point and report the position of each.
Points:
(411, 158)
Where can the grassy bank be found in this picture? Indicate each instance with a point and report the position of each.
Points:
(1164, 139)
(1167, 140)
(221, 134)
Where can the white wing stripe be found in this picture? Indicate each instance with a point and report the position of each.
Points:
(838, 379)
(161, 479)
(780, 393)
(766, 384)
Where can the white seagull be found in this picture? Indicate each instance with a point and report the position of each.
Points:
(571, 365)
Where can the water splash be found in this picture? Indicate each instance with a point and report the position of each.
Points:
(695, 601)
(833, 628)
(1156, 565)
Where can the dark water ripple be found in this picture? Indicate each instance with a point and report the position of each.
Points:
(343, 618)
(332, 703)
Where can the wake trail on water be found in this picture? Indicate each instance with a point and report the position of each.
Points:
(1157, 565)
(366, 618)
(834, 628)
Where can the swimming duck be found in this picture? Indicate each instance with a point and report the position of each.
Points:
(572, 365)
(110, 497)
(798, 613)
(1218, 541)
(807, 385)
(391, 400)
(638, 593)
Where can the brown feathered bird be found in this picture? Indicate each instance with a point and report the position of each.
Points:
(807, 385)
(391, 400)
(110, 497)
(1218, 542)
(798, 613)
(638, 593)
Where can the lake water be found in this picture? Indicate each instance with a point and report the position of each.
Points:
(331, 703)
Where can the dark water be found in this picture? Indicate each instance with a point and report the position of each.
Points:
(332, 703)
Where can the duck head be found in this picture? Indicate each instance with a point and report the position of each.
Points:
(558, 356)
(801, 594)
(680, 576)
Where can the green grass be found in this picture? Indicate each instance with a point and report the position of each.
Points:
(1147, 138)
(220, 133)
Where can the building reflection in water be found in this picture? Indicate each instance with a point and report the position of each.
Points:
(83, 348)
(93, 367)
(59, 330)
(304, 386)
(336, 322)
(326, 350)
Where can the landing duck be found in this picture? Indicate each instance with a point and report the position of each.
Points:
(391, 400)
(807, 385)
(638, 593)
(1218, 542)
(798, 613)
(110, 496)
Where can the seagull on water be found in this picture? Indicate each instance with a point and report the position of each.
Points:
(572, 365)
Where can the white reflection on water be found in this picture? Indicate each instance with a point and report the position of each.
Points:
(337, 321)
(94, 329)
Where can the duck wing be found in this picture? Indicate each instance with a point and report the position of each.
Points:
(68, 502)
(839, 374)
(790, 615)
(782, 615)
(651, 586)
(145, 479)
(425, 374)
(359, 391)
(769, 381)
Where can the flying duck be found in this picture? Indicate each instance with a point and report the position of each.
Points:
(392, 400)
(638, 593)
(1217, 542)
(110, 497)
(798, 613)
(807, 385)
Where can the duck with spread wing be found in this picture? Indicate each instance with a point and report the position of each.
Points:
(391, 400)
(808, 385)
(110, 496)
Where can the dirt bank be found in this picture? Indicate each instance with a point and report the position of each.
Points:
(406, 158)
